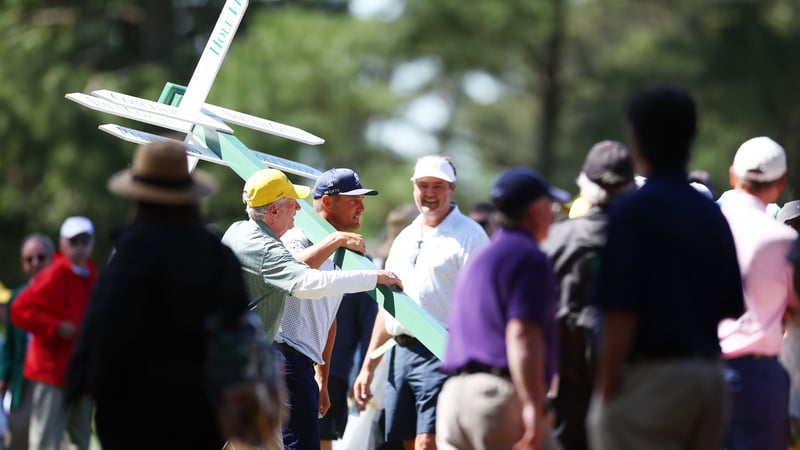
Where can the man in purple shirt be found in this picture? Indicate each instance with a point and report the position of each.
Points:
(501, 344)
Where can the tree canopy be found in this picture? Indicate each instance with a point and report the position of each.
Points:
(492, 83)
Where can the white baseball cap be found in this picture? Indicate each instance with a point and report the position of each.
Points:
(434, 166)
(760, 159)
(76, 225)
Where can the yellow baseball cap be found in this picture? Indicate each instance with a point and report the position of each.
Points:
(269, 185)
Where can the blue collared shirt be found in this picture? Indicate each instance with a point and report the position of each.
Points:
(671, 261)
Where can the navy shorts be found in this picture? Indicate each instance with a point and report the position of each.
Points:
(331, 427)
(412, 390)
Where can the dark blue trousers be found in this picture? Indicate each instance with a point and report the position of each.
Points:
(302, 430)
(760, 404)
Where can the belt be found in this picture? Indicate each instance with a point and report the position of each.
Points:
(641, 357)
(474, 367)
(755, 356)
(284, 347)
(404, 339)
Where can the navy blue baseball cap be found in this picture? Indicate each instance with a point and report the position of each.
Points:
(340, 182)
(520, 186)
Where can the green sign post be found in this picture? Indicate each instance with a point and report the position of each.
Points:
(209, 138)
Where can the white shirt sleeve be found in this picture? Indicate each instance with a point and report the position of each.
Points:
(322, 283)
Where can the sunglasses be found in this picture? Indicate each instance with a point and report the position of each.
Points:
(81, 239)
(39, 258)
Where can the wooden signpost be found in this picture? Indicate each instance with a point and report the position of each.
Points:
(209, 138)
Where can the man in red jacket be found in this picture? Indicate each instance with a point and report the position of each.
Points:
(51, 309)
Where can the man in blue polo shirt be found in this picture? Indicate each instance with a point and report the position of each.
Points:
(668, 275)
(502, 327)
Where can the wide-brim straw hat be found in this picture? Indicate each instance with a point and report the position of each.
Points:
(160, 174)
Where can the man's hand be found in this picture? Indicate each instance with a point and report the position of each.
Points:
(361, 391)
(535, 429)
(65, 329)
(390, 280)
(324, 402)
(351, 241)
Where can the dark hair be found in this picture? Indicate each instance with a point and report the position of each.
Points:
(757, 186)
(663, 122)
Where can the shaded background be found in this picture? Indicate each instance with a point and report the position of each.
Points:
(492, 83)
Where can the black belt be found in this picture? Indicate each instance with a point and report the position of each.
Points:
(404, 339)
(474, 367)
(288, 348)
(755, 356)
(640, 357)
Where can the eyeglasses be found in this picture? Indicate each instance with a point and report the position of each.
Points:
(81, 239)
(41, 257)
(416, 255)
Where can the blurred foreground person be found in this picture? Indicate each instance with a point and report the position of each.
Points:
(575, 246)
(669, 275)
(35, 255)
(51, 309)
(166, 348)
(751, 344)
(789, 214)
(502, 341)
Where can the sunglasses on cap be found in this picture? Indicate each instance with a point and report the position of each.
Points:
(38, 257)
(81, 239)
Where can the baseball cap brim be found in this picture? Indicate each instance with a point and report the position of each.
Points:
(559, 195)
(360, 192)
(299, 191)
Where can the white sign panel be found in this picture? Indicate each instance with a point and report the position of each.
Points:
(263, 125)
(211, 59)
(200, 152)
(103, 105)
(161, 109)
(288, 165)
(141, 137)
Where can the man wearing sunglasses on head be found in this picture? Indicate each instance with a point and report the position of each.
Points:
(51, 309)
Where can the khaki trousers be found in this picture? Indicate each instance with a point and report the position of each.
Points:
(674, 404)
(53, 426)
(481, 412)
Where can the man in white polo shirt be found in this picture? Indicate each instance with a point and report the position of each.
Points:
(751, 344)
(427, 255)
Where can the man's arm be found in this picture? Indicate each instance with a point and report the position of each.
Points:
(794, 257)
(317, 253)
(525, 349)
(615, 344)
(38, 308)
(322, 371)
(361, 388)
(323, 283)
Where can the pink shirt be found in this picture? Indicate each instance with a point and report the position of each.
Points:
(762, 245)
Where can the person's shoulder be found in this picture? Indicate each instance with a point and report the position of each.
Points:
(295, 234)
(459, 224)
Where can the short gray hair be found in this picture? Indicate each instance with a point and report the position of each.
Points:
(258, 213)
(41, 237)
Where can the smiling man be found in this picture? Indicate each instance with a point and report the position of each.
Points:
(308, 329)
(427, 255)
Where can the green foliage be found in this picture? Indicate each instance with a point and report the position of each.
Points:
(564, 69)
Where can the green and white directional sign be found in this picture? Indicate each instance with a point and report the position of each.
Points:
(210, 138)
